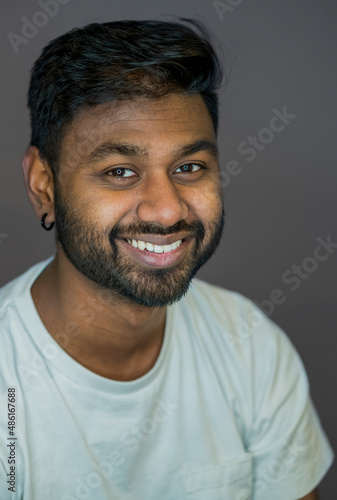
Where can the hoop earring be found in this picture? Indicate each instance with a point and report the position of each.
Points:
(47, 228)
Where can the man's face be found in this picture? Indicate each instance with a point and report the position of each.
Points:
(140, 170)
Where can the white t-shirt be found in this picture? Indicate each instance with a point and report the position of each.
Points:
(224, 414)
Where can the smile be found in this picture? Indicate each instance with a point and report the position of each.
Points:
(152, 255)
(150, 247)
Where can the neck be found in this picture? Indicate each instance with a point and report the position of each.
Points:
(104, 332)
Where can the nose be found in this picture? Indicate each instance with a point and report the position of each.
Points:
(162, 202)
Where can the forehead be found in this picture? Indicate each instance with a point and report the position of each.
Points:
(144, 121)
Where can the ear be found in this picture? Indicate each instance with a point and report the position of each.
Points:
(39, 183)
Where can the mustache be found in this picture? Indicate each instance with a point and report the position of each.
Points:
(195, 228)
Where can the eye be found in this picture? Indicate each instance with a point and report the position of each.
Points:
(189, 168)
(119, 172)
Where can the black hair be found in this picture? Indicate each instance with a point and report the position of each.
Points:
(103, 62)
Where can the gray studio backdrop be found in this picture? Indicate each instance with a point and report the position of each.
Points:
(278, 159)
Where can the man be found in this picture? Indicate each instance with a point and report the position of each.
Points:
(124, 378)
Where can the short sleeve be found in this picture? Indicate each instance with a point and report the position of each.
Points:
(290, 450)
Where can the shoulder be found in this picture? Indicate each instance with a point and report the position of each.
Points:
(256, 351)
(7, 293)
(243, 325)
(16, 307)
(17, 291)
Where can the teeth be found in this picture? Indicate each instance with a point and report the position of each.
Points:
(142, 245)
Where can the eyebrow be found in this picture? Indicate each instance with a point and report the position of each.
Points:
(108, 149)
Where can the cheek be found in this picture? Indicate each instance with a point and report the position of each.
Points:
(207, 204)
(106, 208)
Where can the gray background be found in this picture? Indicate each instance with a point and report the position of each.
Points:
(279, 203)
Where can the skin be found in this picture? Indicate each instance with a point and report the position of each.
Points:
(112, 335)
(311, 496)
(106, 332)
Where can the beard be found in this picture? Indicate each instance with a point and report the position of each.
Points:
(95, 254)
